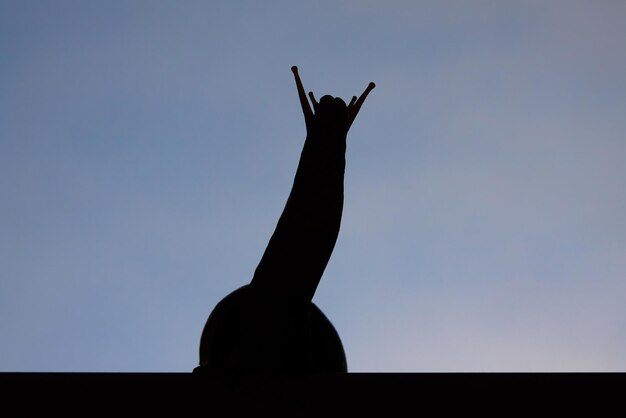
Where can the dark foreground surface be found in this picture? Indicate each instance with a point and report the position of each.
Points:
(428, 394)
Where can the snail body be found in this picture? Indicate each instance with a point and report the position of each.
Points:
(271, 324)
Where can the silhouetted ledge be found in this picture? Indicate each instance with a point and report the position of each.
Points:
(344, 392)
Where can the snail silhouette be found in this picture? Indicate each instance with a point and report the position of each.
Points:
(271, 324)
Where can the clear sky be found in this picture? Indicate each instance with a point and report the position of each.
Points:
(147, 149)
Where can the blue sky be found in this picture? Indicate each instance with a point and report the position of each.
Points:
(147, 149)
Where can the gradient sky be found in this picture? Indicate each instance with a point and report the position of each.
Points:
(147, 149)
